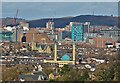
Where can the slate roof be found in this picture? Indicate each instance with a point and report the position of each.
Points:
(34, 76)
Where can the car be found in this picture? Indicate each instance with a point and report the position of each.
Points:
(92, 69)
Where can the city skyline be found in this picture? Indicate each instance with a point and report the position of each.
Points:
(59, 41)
(38, 10)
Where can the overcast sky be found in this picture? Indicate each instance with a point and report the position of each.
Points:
(37, 10)
(60, 0)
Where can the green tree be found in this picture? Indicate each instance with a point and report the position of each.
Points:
(13, 73)
(10, 74)
(65, 69)
(117, 70)
(85, 76)
(48, 71)
(102, 75)
(110, 74)
(72, 75)
(105, 72)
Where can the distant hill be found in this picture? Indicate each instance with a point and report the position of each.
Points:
(10, 21)
(62, 22)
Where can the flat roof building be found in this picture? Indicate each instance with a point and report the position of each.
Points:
(111, 33)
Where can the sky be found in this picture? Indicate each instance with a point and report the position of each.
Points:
(59, 0)
(38, 10)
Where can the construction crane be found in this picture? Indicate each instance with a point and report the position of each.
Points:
(15, 22)
(15, 17)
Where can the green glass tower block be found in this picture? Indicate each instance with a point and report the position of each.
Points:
(77, 32)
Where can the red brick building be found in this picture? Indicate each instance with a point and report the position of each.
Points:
(101, 41)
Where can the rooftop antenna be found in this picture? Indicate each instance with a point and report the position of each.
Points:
(53, 16)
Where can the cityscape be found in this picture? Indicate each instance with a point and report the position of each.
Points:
(59, 46)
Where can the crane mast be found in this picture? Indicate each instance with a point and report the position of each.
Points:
(15, 17)
(15, 22)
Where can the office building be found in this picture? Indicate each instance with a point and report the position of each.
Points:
(88, 36)
(86, 27)
(6, 36)
(50, 24)
(64, 34)
(111, 33)
(100, 42)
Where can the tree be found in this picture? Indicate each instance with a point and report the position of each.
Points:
(48, 71)
(13, 73)
(105, 73)
(75, 75)
(102, 76)
(10, 74)
(65, 69)
(110, 73)
(85, 76)
(117, 67)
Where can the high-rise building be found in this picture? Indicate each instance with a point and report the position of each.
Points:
(64, 34)
(50, 24)
(86, 27)
(77, 31)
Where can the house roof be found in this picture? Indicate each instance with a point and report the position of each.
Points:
(34, 76)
